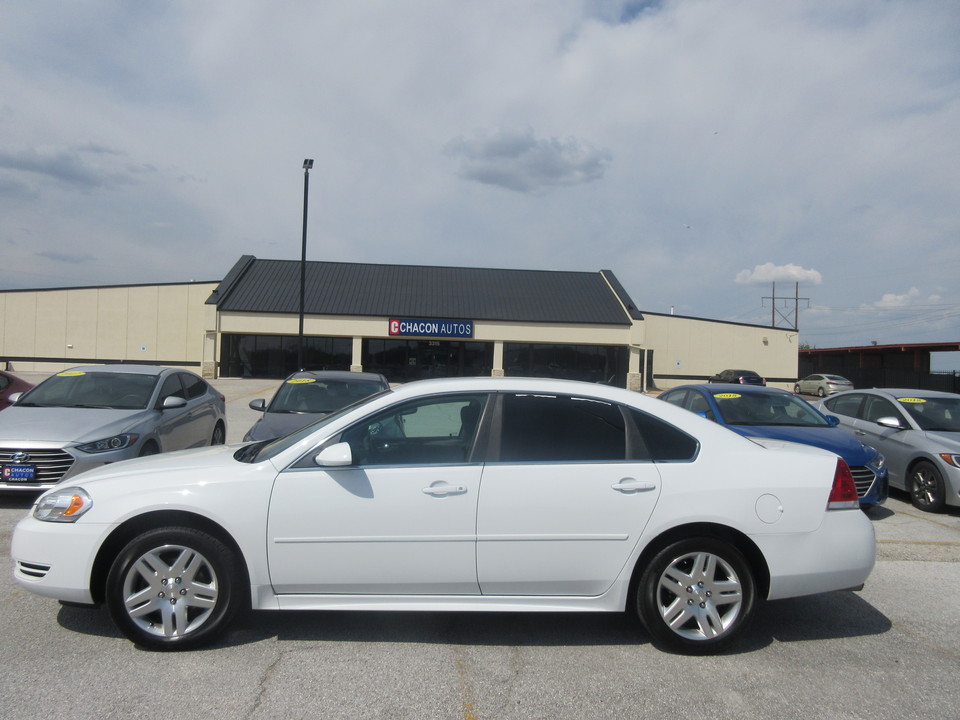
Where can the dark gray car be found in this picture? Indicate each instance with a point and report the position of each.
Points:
(918, 431)
(88, 416)
(307, 396)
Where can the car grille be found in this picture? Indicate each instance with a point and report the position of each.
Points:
(52, 464)
(863, 478)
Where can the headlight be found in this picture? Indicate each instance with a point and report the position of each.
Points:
(63, 505)
(117, 442)
(952, 458)
(879, 461)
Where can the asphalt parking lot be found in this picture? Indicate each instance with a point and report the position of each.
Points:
(890, 650)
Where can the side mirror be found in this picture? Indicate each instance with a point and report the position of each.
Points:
(338, 455)
(890, 422)
(173, 402)
(833, 420)
(12, 398)
(260, 405)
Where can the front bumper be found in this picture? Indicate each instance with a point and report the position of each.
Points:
(56, 559)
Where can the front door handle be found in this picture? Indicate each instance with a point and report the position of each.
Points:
(632, 485)
(442, 489)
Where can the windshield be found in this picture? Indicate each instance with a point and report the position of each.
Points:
(259, 451)
(316, 395)
(746, 408)
(934, 413)
(76, 389)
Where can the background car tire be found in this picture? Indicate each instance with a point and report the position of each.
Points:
(149, 449)
(796, 389)
(174, 588)
(820, 392)
(696, 596)
(926, 487)
(219, 435)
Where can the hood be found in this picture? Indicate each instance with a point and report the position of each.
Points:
(187, 463)
(834, 439)
(273, 425)
(66, 425)
(950, 439)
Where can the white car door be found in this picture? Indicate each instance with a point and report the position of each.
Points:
(563, 508)
(400, 520)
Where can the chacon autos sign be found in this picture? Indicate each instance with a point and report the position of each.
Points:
(431, 328)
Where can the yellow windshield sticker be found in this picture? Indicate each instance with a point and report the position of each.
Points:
(727, 396)
(301, 381)
(71, 373)
(911, 400)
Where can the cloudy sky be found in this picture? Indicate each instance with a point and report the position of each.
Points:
(700, 149)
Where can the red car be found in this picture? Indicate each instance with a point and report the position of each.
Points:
(10, 384)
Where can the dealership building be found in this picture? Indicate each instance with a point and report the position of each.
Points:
(407, 322)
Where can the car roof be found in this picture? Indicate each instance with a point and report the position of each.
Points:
(122, 368)
(716, 388)
(902, 392)
(338, 375)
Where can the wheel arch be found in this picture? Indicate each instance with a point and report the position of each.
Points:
(749, 549)
(135, 526)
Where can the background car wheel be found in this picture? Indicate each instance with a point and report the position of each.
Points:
(174, 588)
(820, 392)
(926, 487)
(149, 449)
(696, 596)
(796, 389)
(219, 435)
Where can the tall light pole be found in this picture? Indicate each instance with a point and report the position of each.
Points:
(307, 165)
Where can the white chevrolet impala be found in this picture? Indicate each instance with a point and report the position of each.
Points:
(460, 495)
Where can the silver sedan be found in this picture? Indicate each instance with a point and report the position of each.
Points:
(918, 431)
(90, 416)
(822, 385)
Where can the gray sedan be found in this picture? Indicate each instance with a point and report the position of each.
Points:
(307, 396)
(918, 431)
(89, 416)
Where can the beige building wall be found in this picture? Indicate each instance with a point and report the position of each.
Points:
(49, 330)
(691, 350)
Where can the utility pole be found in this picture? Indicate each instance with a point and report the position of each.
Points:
(787, 317)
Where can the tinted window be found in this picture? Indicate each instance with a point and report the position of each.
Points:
(194, 386)
(675, 398)
(848, 405)
(935, 413)
(662, 441)
(172, 387)
(428, 431)
(877, 407)
(555, 428)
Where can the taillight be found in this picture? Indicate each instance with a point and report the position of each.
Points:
(843, 494)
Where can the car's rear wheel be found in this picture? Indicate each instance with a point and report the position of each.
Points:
(926, 487)
(174, 588)
(696, 596)
(219, 435)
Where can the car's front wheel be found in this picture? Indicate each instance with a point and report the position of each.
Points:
(926, 487)
(696, 596)
(174, 588)
(796, 389)
(820, 392)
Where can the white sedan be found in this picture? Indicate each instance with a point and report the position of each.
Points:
(460, 495)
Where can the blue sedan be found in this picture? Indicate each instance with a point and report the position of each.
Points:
(764, 412)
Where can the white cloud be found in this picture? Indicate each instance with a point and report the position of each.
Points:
(769, 272)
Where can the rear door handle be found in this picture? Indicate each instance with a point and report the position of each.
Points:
(442, 489)
(631, 485)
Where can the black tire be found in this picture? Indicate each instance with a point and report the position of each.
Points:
(174, 588)
(219, 436)
(926, 487)
(149, 448)
(796, 389)
(820, 392)
(696, 596)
